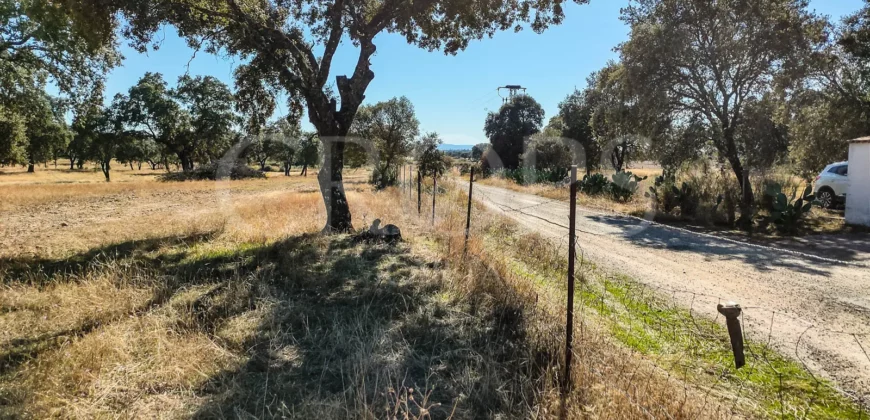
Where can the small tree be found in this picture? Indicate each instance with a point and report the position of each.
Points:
(430, 160)
(549, 154)
(284, 143)
(46, 132)
(309, 152)
(193, 122)
(390, 128)
(711, 59)
(509, 128)
(109, 136)
(478, 150)
(13, 138)
(575, 115)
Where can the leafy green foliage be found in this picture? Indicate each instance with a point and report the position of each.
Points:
(624, 186)
(594, 184)
(13, 141)
(430, 160)
(667, 196)
(548, 153)
(214, 171)
(575, 115)
(788, 212)
(46, 131)
(193, 121)
(772, 38)
(528, 175)
(389, 128)
(508, 128)
(73, 43)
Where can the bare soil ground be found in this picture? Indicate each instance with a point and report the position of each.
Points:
(810, 297)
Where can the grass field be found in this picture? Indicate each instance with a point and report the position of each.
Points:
(140, 299)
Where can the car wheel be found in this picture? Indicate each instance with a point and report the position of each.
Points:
(825, 198)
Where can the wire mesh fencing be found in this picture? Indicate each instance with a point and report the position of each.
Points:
(636, 341)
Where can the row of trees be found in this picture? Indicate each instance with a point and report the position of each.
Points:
(751, 84)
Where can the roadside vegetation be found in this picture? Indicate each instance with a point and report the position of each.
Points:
(260, 315)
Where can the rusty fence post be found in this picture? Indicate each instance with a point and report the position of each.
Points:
(731, 311)
(419, 194)
(434, 193)
(468, 217)
(572, 253)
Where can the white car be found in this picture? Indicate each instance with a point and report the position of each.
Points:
(832, 184)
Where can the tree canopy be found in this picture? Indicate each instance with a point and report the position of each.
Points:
(712, 59)
(508, 129)
(389, 129)
(290, 45)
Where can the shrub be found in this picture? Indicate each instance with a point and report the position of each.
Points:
(663, 193)
(594, 184)
(715, 195)
(212, 171)
(624, 186)
(788, 213)
(528, 176)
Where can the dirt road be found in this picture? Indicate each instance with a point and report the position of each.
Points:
(819, 305)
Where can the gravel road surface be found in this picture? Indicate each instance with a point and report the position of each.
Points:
(818, 300)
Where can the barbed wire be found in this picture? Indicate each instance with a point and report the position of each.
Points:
(647, 307)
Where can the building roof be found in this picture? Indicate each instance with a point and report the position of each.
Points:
(860, 140)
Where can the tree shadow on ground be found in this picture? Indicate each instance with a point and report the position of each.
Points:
(347, 323)
(762, 259)
(339, 324)
(40, 270)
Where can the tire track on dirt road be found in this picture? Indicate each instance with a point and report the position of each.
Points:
(819, 306)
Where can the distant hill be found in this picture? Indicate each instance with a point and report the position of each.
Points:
(454, 147)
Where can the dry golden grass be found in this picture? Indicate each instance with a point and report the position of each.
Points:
(237, 307)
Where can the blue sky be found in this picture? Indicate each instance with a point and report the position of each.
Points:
(452, 94)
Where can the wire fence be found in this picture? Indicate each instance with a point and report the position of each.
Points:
(678, 335)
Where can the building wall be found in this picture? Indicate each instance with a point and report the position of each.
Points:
(858, 198)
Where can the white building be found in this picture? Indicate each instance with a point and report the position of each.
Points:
(858, 197)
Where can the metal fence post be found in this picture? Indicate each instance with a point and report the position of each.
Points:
(732, 311)
(419, 193)
(434, 193)
(468, 218)
(572, 253)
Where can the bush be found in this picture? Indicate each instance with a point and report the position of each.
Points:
(715, 195)
(212, 171)
(594, 184)
(624, 186)
(528, 176)
(667, 197)
(788, 213)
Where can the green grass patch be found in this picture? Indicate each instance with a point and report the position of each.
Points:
(691, 347)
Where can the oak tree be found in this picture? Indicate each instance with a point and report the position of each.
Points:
(289, 46)
(711, 59)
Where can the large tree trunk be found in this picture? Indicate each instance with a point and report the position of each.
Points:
(186, 161)
(330, 178)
